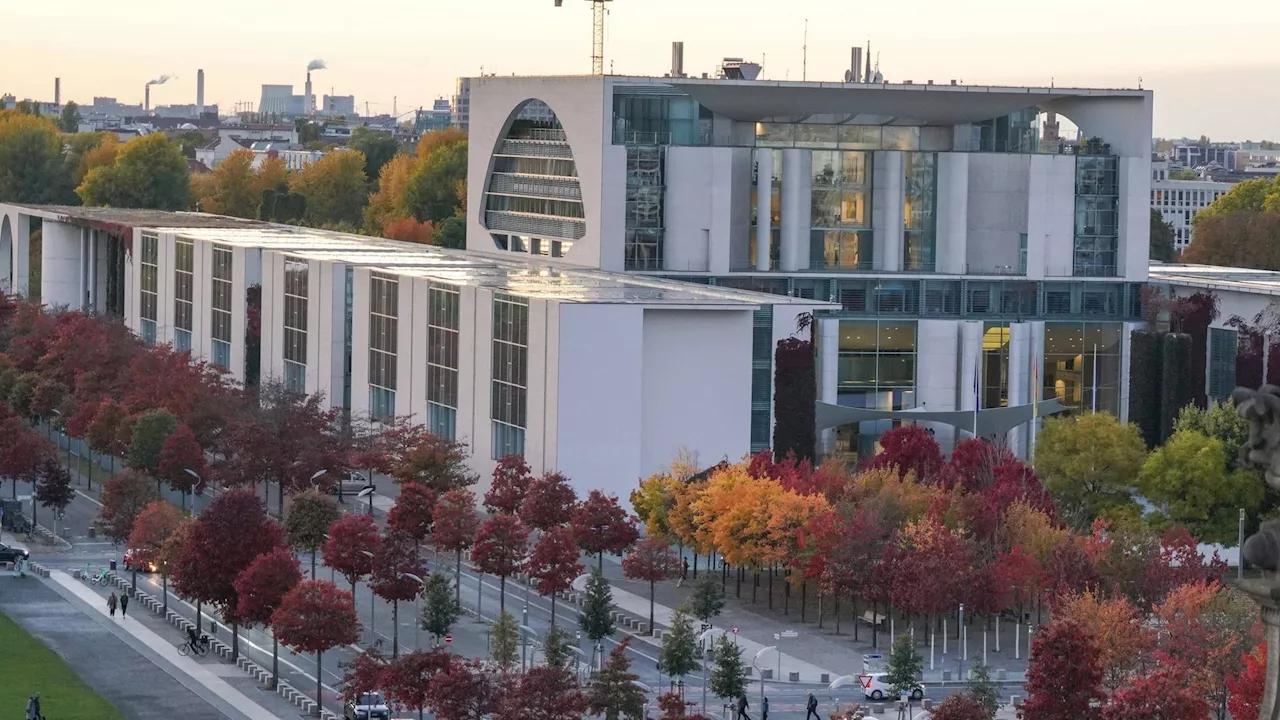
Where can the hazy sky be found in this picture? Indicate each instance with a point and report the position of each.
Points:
(1213, 67)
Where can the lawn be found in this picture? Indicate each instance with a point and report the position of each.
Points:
(28, 666)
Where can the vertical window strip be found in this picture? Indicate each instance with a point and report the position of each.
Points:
(509, 397)
(296, 276)
(383, 338)
(442, 360)
(220, 314)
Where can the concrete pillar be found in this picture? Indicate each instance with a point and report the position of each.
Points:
(886, 209)
(1036, 386)
(953, 212)
(797, 188)
(970, 348)
(1126, 357)
(1133, 245)
(1019, 379)
(764, 207)
(828, 374)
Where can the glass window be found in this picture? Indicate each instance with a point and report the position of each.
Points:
(183, 287)
(509, 394)
(775, 135)
(442, 360)
(384, 339)
(860, 137)
(296, 273)
(995, 365)
(1223, 347)
(918, 210)
(149, 284)
(220, 308)
(817, 136)
(1082, 365)
(901, 138)
(877, 361)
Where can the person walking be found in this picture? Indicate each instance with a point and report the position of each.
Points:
(111, 604)
(33, 707)
(684, 572)
(812, 707)
(124, 604)
(764, 708)
(742, 708)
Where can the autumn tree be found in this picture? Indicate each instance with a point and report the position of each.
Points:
(553, 564)
(377, 147)
(910, 449)
(436, 462)
(1162, 695)
(456, 524)
(261, 588)
(335, 187)
(1088, 463)
(388, 204)
(440, 607)
(232, 187)
(653, 501)
(542, 693)
(728, 674)
(124, 496)
(394, 560)
(221, 543)
(960, 707)
(601, 525)
(502, 648)
(1121, 638)
(651, 560)
(364, 674)
(31, 164)
(548, 503)
(1206, 631)
(1063, 675)
(510, 484)
(181, 455)
(464, 690)
(53, 487)
(307, 522)
(1244, 691)
(149, 172)
(500, 548)
(316, 617)
(408, 678)
(614, 695)
(150, 430)
(152, 529)
(1187, 481)
(352, 542)
(104, 428)
(434, 190)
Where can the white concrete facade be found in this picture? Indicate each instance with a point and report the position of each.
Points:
(1178, 201)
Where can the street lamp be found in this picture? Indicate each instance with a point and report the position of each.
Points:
(316, 476)
(647, 692)
(372, 630)
(367, 491)
(755, 663)
(195, 475)
(706, 635)
(417, 621)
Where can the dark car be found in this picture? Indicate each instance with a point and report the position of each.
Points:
(369, 706)
(12, 554)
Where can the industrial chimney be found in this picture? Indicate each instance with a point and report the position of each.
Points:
(855, 68)
(677, 59)
(199, 94)
(146, 103)
(57, 92)
(306, 97)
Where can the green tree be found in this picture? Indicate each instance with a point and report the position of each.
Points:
(307, 521)
(1247, 196)
(335, 188)
(984, 691)
(150, 431)
(905, 665)
(1088, 463)
(70, 119)
(32, 169)
(503, 644)
(190, 141)
(308, 131)
(614, 695)
(1188, 482)
(555, 647)
(1221, 421)
(707, 599)
(676, 657)
(435, 189)
(440, 606)
(452, 233)
(232, 187)
(1161, 238)
(378, 148)
(596, 619)
(149, 172)
(728, 673)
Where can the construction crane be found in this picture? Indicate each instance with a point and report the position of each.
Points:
(597, 39)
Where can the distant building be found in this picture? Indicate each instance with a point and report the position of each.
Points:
(440, 116)
(183, 111)
(338, 106)
(218, 149)
(293, 159)
(1194, 155)
(462, 104)
(280, 100)
(1178, 201)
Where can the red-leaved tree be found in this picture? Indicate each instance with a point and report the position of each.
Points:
(316, 617)
(413, 512)
(602, 526)
(1162, 695)
(180, 453)
(456, 524)
(364, 674)
(511, 481)
(151, 530)
(651, 560)
(464, 690)
(1064, 674)
(553, 564)
(394, 561)
(408, 678)
(960, 707)
(1245, 690)
(501, 545)
(124, 497)
(261, 587)
(352, 543)
(542, 693)
(104, 430)
(549, 502)
(909, 449)
(435, 462)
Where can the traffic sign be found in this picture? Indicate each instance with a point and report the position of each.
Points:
(448, 638)
(790, 634)
(735, 629)
(865, 680)
(706, 627)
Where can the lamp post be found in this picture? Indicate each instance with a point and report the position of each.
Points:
(367, 491)
(195, 475)
(647, 692)
(703, 638)
(755, 663)
(372, 596)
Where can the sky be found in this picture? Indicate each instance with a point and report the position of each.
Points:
(1210, 66)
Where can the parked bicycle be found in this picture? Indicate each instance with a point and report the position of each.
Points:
(98, 578)
(195, 644)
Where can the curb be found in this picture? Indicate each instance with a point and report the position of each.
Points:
(283, 689)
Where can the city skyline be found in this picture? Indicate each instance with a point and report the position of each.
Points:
(421, 50)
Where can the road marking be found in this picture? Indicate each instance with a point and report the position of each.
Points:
(82, 494)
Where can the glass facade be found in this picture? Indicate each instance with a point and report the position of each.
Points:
(995, 365)
(148, 286)
(762, 378)
(919, 205)
(645, 218)
(877, 370)
(384, 338)
(220, 312)
(295, 324)
(533, 202)
(183, 287)
(1097, 218)
(774, 185)
(1223, 346)
(1012, 133)
(509, 393)
(662, 118)
(840, 211)
(348, 333)
(442, 361)
(1082, 365)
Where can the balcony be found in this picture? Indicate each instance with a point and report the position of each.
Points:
(533, 148)
(536, 225)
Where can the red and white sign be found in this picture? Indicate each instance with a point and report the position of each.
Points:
(448, 638)
(735, 629)
(865, 680)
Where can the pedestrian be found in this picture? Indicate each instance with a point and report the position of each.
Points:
(742, 708)
(764, 708)
(33, 707)
(124, 604)
(111, 604)
(684, 572)
(812, 707)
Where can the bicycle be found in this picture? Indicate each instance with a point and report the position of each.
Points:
(100, 579)
(200, 648)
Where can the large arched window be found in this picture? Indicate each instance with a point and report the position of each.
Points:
(533, 201)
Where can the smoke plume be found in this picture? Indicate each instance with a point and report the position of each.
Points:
(315, 65)
(160, 80)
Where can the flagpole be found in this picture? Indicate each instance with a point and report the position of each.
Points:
(977, 389)
(1095, 377)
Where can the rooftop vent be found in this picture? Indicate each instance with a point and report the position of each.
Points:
(738, 69)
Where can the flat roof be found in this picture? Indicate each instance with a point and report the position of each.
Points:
(525, 276)
(1215, 277)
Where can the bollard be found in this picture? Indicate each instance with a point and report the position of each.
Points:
(766, 674)
(946, 676)
(927, 704)
(1016, 700)
(1000, 675)
(793, 677)
(825, 678)
(877, 709)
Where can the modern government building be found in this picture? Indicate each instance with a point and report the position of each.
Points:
(637, 248)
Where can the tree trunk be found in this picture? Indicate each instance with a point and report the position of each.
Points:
(199, 620)
(600, 561)
(853, 600)
(695, 565)
(819, 606)
(313, 563)
(755, 583)
(786, 592)
(164, 582)
(837, 598)
(502, 593)
(724, 578)
(457, 581)
(275, 662)
(395, 629)
(651, 592)
(318, 672)
(738, 587)
(875, 629)
(553, 609)
(280, 501)
(804, 586)
(770, 587)
(235, 642)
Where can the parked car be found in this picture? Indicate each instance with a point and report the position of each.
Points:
(879, 689)
(132, 561)
(368, 706)
(12, 553)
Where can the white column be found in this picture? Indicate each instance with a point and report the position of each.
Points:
(828, 373)
(764, 207)
(1126, 358)
(886, 209)
(1036, 386)
(953, 212)
(937, 352)
(797, 187)
(970, 348)
(1135, 218)
(1019, 379)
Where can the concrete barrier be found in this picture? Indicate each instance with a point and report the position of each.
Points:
(793, 677)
